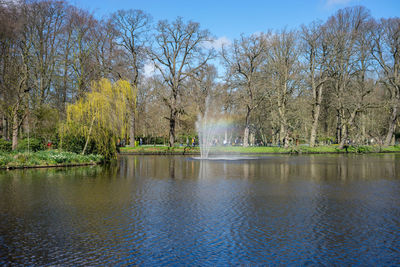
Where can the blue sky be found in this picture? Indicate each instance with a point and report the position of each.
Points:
(229, 19)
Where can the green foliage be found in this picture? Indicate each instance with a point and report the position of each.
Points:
(98, 118)
(5, 158)
(76, 142)
(31, 144)
(45, 122)
(364, 149)
(45, 158)
(5, 145)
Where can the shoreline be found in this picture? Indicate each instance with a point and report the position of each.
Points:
(48, 166)
(162, 150)
(46, 159)
(252, 153)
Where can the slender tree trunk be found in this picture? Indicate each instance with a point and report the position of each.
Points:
(316, 113)
(132, 129)
(283, 134)
(88, 137)
(247, 129)
(132, 119)
(15, 128)
(5, 128)
(363, 129)
(338, 127)
(392, 126)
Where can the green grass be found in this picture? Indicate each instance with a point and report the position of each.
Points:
(259, 150)
(45, 158)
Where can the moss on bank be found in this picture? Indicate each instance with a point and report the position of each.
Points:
(258, 150)
(48, 158)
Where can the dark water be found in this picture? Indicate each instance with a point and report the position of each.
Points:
(163, 210)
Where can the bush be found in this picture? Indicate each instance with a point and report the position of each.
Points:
(34, 145)
(5, 146)
(5, 158)
(76, 143)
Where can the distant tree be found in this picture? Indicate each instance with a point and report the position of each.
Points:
(133, 28)
(15, 50)
(82, 27)
(245, 61)
(284, 69)
(386, 51)
(316, 53)
(179, 52)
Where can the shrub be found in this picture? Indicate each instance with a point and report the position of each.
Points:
(76, 143)
(34, 145)
(5, 145)
(5, 158)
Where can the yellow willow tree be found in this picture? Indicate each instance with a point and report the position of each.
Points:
(101, 115)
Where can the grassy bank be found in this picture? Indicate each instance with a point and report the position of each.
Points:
(164, 150)
(48, 158)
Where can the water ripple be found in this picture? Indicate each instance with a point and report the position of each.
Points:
(178, 211)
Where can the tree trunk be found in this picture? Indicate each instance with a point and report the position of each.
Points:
(283, 134)
(338, 127)
(314, 127)
(246, 136)
(392, 127)
(346, 127)
(15, 128)
(247, 129)
(132, 129)
(172, 122)
(344, 136)
(316, 113)
(363, 129)
(88, 137)
(5, 128)
(171, 132)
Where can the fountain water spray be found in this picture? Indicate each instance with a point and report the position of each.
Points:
(209, 126)
(206, 130)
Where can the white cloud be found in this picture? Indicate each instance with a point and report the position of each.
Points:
(149, 69)
(218, 43)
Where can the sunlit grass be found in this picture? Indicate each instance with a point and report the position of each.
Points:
(149, 149)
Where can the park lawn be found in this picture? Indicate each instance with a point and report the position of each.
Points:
(11, 160)
(258, 150)
(159, 149)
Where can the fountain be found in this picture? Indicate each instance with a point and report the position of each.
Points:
(210, 126)
(206, 128)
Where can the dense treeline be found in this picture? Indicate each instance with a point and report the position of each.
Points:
(337, 80)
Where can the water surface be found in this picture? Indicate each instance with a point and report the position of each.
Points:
(154, 210)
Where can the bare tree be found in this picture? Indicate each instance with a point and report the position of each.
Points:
(179, 52)
(284, 68)
(202, 85)
(245, 61)
(83, 43)
(45, 20)
(386, 52)
(15, 49)
(315, 52)
(133, 27)
(344, 30)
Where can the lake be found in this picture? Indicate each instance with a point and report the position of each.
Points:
(177, 210)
